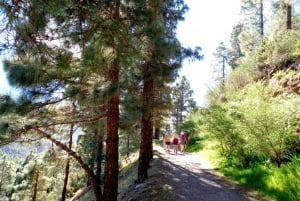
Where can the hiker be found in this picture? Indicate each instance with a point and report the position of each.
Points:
(175, 142)
(184, 138)
(167, 138)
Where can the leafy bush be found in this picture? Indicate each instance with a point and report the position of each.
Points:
(221, 125)
(268, 122)
(255, 125)
(195, 144)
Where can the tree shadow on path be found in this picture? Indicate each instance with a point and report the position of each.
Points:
(194, 180)
(184, 177)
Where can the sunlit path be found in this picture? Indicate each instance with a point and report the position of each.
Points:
(194, 179)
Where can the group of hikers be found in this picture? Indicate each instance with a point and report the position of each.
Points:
(179, 141)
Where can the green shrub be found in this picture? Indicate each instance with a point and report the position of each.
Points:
(281, 184)
(195, 144)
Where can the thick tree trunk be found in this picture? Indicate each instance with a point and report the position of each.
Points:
(146, 134)
(112, 140)
(143, 155)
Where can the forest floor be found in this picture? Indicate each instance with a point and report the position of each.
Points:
(182, 177)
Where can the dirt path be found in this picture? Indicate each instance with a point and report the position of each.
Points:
(184, 177)
(194, 179)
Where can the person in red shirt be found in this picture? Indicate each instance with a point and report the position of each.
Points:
(175, 142)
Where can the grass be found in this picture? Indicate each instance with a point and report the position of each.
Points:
(155, 188)
(88, 196)
(269, 181)
(127, 176)
(195, 144)
(280, 184)
(157, 141)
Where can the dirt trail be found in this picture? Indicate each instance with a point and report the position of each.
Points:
(194, 179)
(185, 177)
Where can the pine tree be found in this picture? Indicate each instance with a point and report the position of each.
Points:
(283, 14)
(253, 24)
(235, 51)
(73, 52)
(164, 58)
(53, 73)
(182, 97)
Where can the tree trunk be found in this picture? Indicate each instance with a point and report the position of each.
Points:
(289, 17)
(150, 142)
(67, 168)
(35, 187)
(261, 16)
(112, 140)
(143, 155)
(64, 191)
(146, 134)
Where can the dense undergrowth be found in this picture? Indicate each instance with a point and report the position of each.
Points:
(281, 184)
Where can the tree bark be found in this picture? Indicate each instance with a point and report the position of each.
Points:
(35, 187)
(112, 140)
(67, 168)
(289, 17)
(64, 191)
(261, 18)
(146, 134)
(150, 142)
(143, 155)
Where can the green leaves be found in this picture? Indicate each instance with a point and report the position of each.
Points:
(64, 60)
(22, 75)
(20, 106)
(3, 130)
(257, 122)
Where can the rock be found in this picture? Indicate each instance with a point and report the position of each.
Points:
(142, 185)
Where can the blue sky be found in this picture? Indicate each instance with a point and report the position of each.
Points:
(207, 23)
